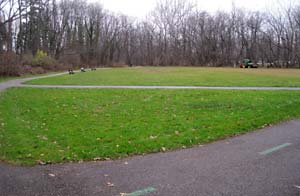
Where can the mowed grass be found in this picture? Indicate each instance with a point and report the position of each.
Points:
(61, 125)
(180, 76)
(6, 78)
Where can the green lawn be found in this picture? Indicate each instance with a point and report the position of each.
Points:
(3, 79)
(7, 78)
(60, 125)
(180, 76)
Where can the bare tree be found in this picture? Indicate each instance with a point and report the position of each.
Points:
(175, 33)
(8, 14)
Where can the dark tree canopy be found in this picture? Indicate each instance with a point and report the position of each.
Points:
(175, 33)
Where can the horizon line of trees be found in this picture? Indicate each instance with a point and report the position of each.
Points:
(75, 32)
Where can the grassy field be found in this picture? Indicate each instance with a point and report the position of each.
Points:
(60, 125)
(7, 78)
(3, 79)
(180, 76)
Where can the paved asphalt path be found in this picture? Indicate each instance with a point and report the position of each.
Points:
(261, 163)
(18, 83)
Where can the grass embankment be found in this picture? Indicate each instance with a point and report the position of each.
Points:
(7, 78)
(180, 76)
(59, 125)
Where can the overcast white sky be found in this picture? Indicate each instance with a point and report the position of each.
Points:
(140, 8)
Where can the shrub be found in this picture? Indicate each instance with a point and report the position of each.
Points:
(41, 59)
(9, 64)
(118, 65)
(27, 59)
(70, 60)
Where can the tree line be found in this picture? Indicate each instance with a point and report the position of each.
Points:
(75, 32)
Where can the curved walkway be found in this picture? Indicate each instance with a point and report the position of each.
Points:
(265, 163)
(19, 83)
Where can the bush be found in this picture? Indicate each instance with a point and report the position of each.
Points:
(12, 64)
(41, 59)
(118, 65)
(70, 60)
(9, 64)
(27, 59)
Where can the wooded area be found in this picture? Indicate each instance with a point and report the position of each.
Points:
(76, 33)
